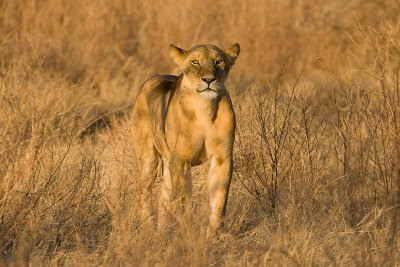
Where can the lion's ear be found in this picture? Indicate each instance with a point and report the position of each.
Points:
(178, 54)
(233, 52)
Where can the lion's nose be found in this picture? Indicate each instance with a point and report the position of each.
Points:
(208, 80)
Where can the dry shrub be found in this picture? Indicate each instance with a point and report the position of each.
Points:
(285, 143)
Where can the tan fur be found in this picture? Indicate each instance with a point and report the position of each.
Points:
(184, 121)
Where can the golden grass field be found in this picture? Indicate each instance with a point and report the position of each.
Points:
(316, 92)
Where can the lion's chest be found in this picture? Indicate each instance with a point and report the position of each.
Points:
(186, 139)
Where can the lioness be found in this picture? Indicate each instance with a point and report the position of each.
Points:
(184, 121)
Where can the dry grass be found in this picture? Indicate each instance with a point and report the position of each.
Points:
(317, 155)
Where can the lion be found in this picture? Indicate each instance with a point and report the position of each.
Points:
(183, 121)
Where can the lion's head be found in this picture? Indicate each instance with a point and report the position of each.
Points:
(205, 67)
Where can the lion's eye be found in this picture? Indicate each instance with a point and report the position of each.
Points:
(195, 62)
(219, 62)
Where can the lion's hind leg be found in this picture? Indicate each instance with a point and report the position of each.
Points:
(148, 162)
(148, 159)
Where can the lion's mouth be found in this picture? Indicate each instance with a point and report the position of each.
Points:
(207, 89)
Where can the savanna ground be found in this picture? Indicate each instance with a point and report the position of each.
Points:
(317, 151)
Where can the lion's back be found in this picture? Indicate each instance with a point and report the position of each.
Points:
(158, 84)
(149, 110)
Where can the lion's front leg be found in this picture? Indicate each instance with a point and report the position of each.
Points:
(176, 190)
(219, 178)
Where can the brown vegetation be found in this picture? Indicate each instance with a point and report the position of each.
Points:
(317, 155)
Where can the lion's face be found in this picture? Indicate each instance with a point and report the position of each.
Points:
(205, 67)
